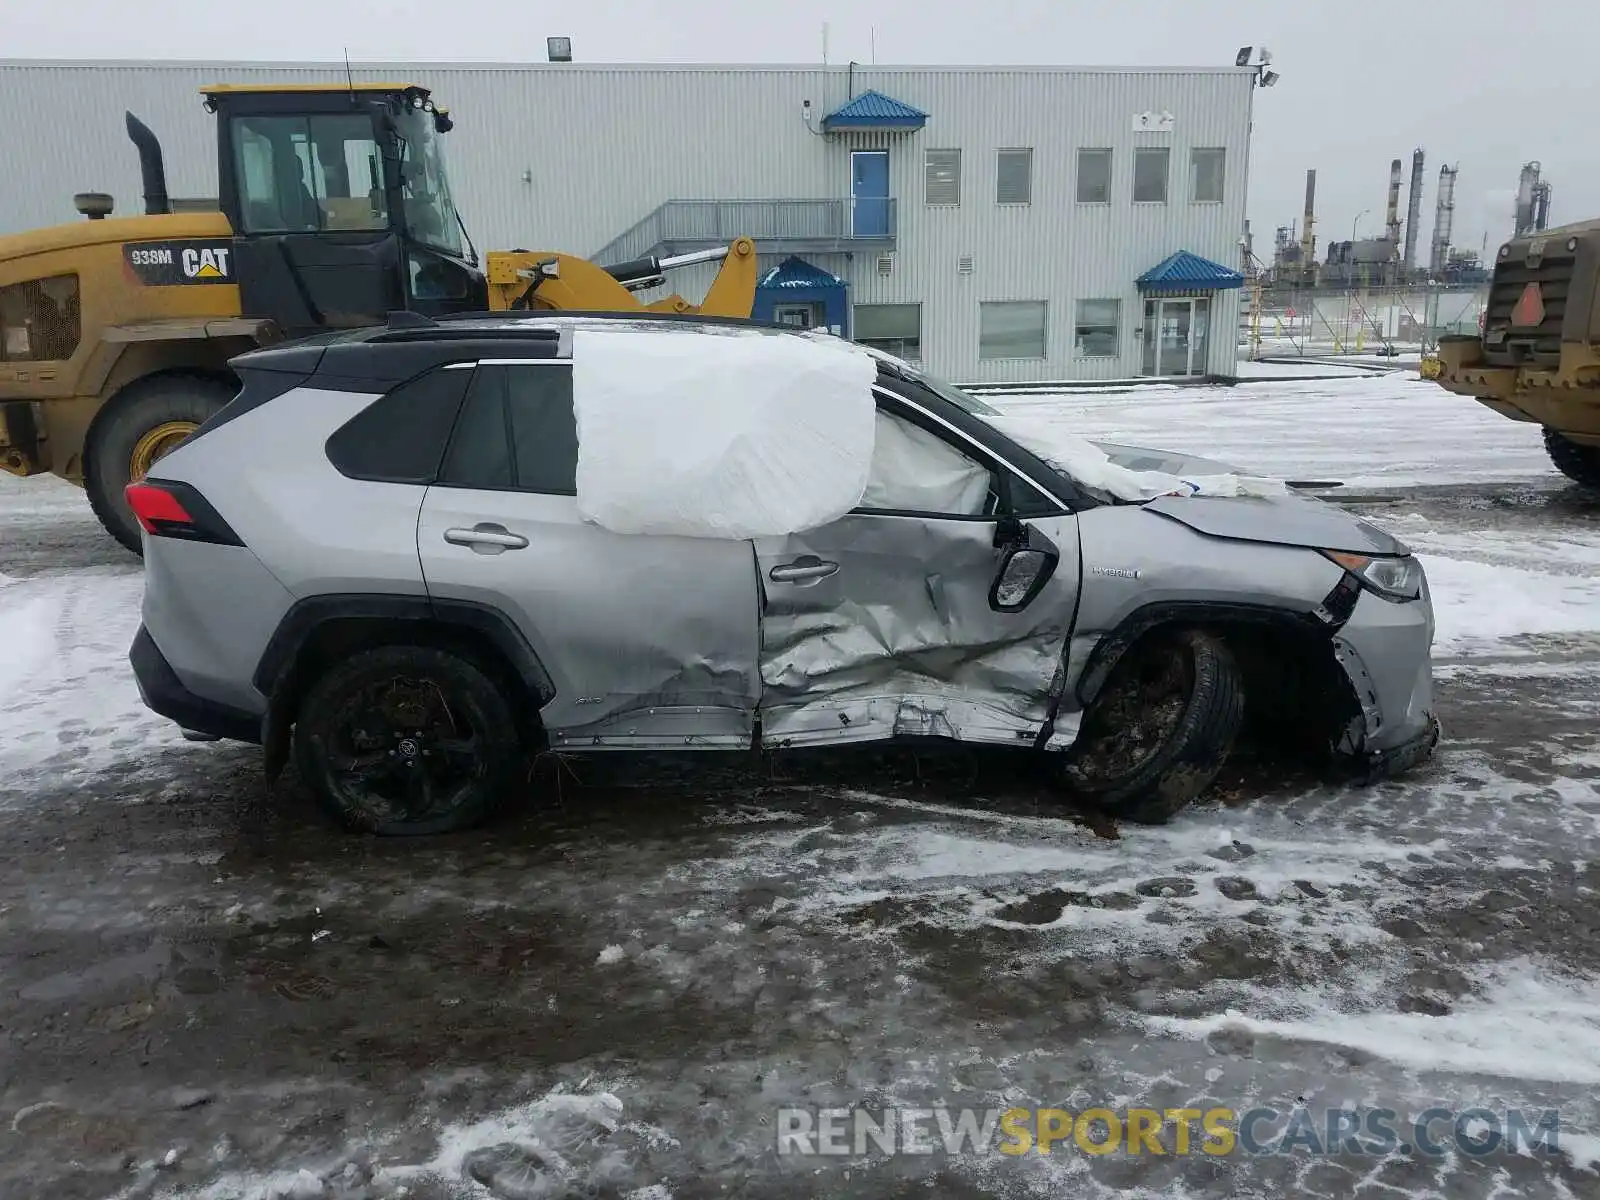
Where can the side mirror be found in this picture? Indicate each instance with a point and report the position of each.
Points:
(1023, 573)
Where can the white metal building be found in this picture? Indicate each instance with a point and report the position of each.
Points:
(1004, 224)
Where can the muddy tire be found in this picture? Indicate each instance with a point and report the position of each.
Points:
(1579, 463)
(404, 741)
(1161, 728)
(147, 418)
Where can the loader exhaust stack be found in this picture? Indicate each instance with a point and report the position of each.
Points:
(151, 167)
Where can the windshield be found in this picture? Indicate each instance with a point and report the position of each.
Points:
(965, 401)
(425, 196)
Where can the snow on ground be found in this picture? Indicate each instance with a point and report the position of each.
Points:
(1492, 585)
(66, 636)
(1250, 369)
(1392, 431)
(78, 712)
(1524, 1023)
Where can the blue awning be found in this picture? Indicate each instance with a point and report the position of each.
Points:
(1185, 272)
(874, 110)
(797, 273)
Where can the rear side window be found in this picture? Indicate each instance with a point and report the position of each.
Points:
(544, 432)
(480, 451)
(517, 432)
(400, 437)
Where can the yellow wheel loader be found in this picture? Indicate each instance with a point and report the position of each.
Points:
(333, 210)
(1538, 358)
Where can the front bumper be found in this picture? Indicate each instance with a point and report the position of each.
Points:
(1385, 650)
(163, 692)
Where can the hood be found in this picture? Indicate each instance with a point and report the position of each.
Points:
(1168, 462)
(1284, 520)
(1126, 473)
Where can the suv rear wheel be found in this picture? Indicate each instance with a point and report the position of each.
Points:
(1161, 728)
(407, 740)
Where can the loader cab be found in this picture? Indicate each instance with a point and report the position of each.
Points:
(341, 205)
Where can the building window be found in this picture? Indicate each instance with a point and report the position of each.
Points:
(1013, 180)
(1206, 174)
(1150, 167)
(893, 328)
(1011, 329)
(942, 182)
(1095, 333)
(1094, 177)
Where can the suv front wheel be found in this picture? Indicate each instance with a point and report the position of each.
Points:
(407, 740)
(1161, 728)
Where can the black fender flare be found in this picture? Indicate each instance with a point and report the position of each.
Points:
(276, 670)
(1108, 651)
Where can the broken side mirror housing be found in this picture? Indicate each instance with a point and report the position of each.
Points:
(1024, 570)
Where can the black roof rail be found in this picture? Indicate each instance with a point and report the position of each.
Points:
(666, 318)
(439, 333)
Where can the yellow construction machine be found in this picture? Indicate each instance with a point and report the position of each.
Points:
(333, 210)
(1538, 358)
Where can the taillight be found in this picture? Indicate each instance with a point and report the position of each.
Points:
(178, 510)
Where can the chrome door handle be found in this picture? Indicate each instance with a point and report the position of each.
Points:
(486, 538)
(805, 570)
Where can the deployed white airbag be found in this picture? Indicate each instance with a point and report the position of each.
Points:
(916, 472)
(1093, 467)
(724, 435)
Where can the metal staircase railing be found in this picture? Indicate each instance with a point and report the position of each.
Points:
(783, 226)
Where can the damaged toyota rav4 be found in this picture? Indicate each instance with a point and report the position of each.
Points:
(412, 557)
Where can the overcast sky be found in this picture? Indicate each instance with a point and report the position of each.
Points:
(1488, 84)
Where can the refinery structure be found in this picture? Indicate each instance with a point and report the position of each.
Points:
(1303, 261)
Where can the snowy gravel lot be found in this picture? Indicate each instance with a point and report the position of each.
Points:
(612, 993)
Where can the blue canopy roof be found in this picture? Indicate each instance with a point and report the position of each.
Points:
(874, 110)
(1185, 272)
(796, 273)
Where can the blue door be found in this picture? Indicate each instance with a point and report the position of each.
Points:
(869, 193)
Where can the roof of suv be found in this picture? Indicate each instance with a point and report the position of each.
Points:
(378, 358)
(351, 359)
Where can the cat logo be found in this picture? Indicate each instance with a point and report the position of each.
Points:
(211, 263)
(192, 260)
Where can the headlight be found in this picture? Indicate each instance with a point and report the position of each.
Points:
(1392, 578)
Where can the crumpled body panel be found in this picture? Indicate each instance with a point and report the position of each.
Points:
(901, 641)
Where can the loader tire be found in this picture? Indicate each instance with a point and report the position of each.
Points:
(1581, 464)
(1160, 730)
(144, 421)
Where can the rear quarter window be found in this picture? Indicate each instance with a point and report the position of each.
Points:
(401, 436)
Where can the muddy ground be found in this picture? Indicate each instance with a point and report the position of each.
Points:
(204, 990)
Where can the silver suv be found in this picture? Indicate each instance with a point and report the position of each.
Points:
(374, 559)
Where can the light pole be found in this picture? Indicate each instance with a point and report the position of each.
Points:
(1353, 225)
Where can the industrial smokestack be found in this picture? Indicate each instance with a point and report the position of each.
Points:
(1522, 222)
(1541, 206)
(1392, 210)
(1444, 216)
(1414, 211)
(1308, 239)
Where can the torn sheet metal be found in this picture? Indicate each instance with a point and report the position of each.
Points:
(901, 641)
(1097, 468)
(719, 437)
